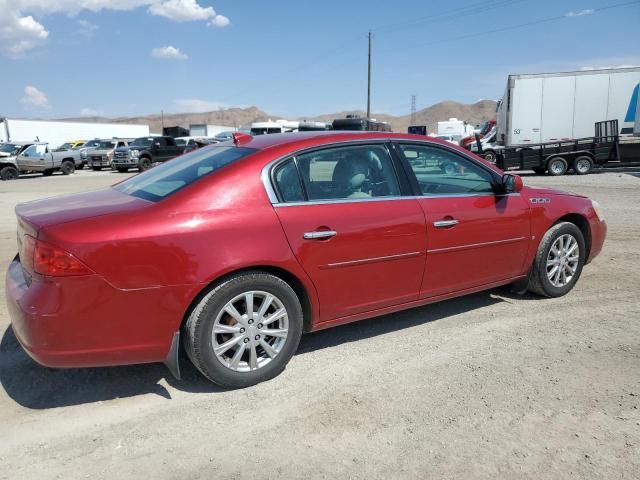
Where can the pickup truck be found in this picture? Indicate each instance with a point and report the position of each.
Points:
(8, 154)
(102, 155)
(39, 158)
(143, 152)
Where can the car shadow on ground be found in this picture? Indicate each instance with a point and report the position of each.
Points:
(37, 387)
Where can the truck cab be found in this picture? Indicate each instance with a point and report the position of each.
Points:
(8, 154)
(143, 152)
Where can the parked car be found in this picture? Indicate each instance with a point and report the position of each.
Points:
(237, 249)
(73, 145)
(143, 152)
(8, 154)
(39, 158)
(102, 155)
(86, 148)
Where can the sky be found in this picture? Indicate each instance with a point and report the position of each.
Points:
(64, 58)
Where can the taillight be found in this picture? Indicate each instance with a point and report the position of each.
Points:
(47, 259)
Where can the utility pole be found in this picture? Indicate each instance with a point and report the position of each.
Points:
(413, 109)
(369, 81)
(162, 116)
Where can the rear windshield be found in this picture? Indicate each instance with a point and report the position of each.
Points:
(168, 178)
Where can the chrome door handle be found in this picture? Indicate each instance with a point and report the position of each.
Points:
(319, 235)
(445, 223)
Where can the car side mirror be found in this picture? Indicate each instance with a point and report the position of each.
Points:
(511, 183)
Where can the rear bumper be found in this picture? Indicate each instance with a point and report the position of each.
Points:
(85, 322)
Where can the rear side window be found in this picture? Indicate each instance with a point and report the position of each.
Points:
(288, 182)
(166, 179)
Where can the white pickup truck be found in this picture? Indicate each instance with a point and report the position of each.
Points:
(39, 158)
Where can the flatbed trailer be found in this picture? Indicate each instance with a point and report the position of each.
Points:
(580, 155)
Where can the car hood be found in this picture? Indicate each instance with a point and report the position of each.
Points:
(102, 151)
(5, 154)
(67, 208)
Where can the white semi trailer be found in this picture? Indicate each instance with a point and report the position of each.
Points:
(549, 107)
(55, 133)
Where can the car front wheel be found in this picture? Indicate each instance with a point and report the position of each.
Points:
(559, 261)
(245, 330)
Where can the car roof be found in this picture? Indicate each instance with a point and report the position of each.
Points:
(262, 142)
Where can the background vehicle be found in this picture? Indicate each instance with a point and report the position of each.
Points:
(145, 151)
(73, 145)
(224, 136)
(172, 254)
(360, 124)
(90, 145)
(456, 127)
(279, 126)
(307, 126)
(56, 133)
(550, 107)
(39, 158)
(455, 139)
(556, 158)
(487, 130)
(206, 130)
(102, 155)
(8, 155)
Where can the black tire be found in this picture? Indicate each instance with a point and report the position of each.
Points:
(539, 281)
(197, 331)
(489, 156)
(96, 169)
(9, 173)
(538, 170)
(583, 165)
(47, 173)
(67, 167)
(144, 164)
(557, 166)
(122, 169)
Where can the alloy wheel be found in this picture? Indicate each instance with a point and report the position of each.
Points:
(250, 331)
(562, 261)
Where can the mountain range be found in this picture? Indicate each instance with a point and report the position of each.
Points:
(476, 113)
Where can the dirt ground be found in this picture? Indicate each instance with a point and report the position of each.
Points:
(491, 385)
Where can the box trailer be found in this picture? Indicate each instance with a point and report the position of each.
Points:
(207, 130)
(549, 107)
(55, 133)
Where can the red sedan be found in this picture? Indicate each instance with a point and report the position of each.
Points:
(234, 250)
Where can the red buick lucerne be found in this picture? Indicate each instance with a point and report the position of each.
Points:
(233, 251)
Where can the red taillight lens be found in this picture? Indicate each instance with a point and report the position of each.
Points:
(47, 259)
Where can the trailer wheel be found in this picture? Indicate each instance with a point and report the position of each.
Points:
(583, 165)
(557, 166)
(9, 173)
(67, 167)
(489, 156)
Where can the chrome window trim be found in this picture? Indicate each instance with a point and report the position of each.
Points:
(267, 170)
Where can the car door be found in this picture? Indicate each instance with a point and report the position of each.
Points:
(475, 236)
(36, 157)
(361, 243)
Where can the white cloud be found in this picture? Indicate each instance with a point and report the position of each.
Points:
(35, 98)
(193, 105)
(182, 10)
(89, 112)
(168, 53)
(219, 21)
(20, 32)
(87, 28)
(587, 11)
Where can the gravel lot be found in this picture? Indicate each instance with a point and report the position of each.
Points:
(489, 385)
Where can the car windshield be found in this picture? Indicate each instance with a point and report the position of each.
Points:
(64, 146)
(168, 178)
(142, 142)
(92, 143)
(107, 145)
(10, 148)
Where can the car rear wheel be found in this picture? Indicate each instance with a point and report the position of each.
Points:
(245, 330)
(9, 173)
(67, 167)
(559, 261)
(557, 166)
(583, 165)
